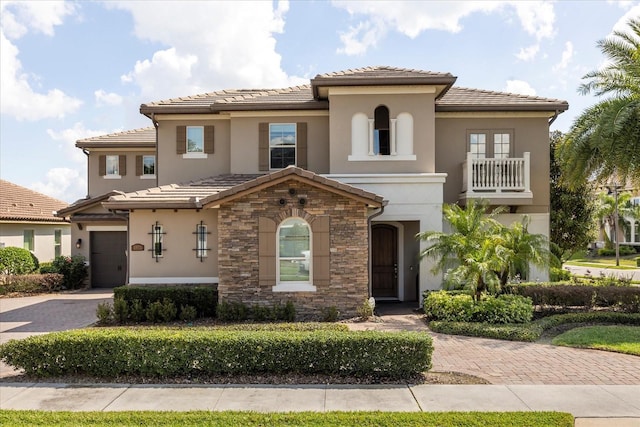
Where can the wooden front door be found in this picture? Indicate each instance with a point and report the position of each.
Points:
(108, 258)
(384, 261)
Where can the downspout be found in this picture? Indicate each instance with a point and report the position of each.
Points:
(376, 214)
(554, 117)
(156, 125)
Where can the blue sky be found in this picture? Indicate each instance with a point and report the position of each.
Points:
(70, 70)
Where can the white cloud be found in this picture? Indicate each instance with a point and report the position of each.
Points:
(209, 45)
(413, 18)
(528, 53)
(567, 55)
(19, 99)
(519, 86)
(68, 137)
(104, 98)
(63, 183)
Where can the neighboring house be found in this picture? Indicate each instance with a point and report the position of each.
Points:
(28, 220)
(312, 193)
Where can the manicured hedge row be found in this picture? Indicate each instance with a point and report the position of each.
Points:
(203, 298)
(625, 298)
(112, 352)
(460, 307)
(531, 331)
(31, 283)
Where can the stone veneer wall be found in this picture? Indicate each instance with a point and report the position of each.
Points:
(347, 287)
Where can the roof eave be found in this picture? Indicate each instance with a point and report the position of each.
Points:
(317, 82)
(128, 205)
(553, 108)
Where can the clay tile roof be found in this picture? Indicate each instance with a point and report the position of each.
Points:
(144, 137)
(381, 71)
(465, 99)
(21, 204)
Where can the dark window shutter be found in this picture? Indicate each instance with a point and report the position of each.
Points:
(181, 139)
(138, 165)
(266, 251)
(208, 139)
(263, 146)
(122, 165)
(301, 145)
(321, 251)
(102, 165)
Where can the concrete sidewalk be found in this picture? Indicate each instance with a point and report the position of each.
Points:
(595, 405)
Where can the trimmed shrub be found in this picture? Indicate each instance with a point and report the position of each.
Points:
(623, 251)
(17, 261)
(203, 298)
(459, 307)
(625, 298)
(330, 314)
(188, 313)
(104, 313)
(47, 268)
(120, 310)
(232, 311)
(112, 352)
(74, 270)
(31, 283)
(559, 275)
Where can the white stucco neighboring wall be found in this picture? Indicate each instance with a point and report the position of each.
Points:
(12, 234)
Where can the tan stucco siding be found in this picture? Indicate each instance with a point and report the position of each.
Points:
(174, 168)
(129, 182)
(529, 135)
(12, 234)
(179, 259)
(244, 142)
(421, 108)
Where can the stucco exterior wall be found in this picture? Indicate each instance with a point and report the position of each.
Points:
(347, 284)
(244, 141)
(12, 234)
(173, 168)
(530, 134)
(420, 106)
(179, 263)
(99, 185)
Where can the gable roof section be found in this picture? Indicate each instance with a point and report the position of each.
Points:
(220, 189)
(21, 204)
(143, 138)
(306, 97)
(381, 76)
(465, 99)
(82, 204)
(296, 173)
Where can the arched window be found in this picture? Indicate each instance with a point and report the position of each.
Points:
(294, 252)
(381, 134)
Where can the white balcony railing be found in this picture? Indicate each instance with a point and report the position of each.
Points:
(508, 175)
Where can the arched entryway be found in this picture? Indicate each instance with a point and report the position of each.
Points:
(384, 261)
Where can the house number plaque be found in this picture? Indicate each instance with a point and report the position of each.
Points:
(137, 247)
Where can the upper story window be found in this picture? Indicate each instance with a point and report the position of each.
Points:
(380, 136)
(294, 254)
(146, 166)
(496, 144)
(282, 145)
(194, 142)
(381, 131)
(112, 166)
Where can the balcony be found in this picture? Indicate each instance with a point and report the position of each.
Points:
(505, 181)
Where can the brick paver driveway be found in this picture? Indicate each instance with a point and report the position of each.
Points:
(508, 362)
(22, 317)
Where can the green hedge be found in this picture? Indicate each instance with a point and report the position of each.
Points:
(31, 283)
(112, 352)
(15, 260)
(531, 331)
(203, 298)
(460, 307)
(625, 298)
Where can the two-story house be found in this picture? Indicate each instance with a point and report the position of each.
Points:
(312, 194)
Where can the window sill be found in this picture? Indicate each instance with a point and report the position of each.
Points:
(381, 158)
(147, 177)
(293, 287)
(112, 177)
(195, 156)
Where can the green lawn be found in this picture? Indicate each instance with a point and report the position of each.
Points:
(230, 419)
(582, 260)
(621, 339)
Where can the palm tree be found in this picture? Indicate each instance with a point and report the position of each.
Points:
(606, 211)
(467, 253)
(605, 139)
(519, 249)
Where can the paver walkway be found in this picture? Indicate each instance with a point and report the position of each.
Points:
(511, 362)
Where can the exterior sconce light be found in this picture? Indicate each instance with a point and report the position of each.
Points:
(78, 243)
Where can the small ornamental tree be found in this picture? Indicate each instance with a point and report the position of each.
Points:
(17, 261)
